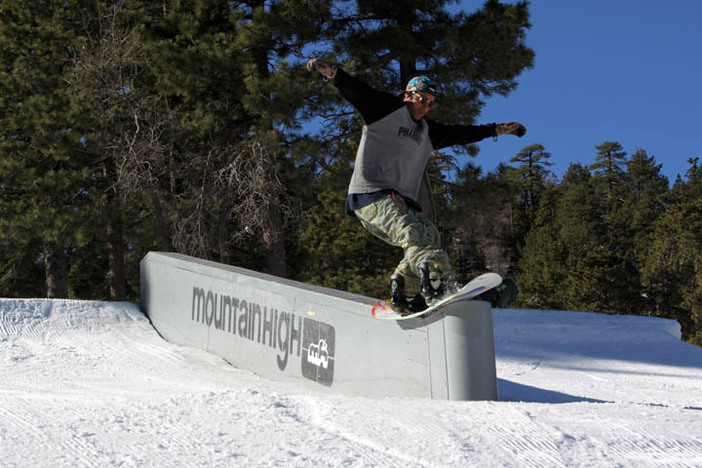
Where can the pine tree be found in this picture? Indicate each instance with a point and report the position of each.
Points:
(568, 248)
(466, 193)
(241, 99)
(530, 176)
(691, 188)
(103, 80)
(270, 33)
(647, 193)
(582, 233)
(645, 197)
(673, 270)
(46, 176)
(543, 265)
(594, 240)
(194, 128)
(616, 262)
(480, 221)
(470, 56)
(610, 165)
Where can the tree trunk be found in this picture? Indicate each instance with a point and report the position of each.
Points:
(55, 271)
(273, 238)
(115, 245)
(223, 228)
(164, 243)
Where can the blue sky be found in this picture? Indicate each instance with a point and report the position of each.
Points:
(620, 70)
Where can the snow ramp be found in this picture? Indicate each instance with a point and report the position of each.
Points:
(321, 337)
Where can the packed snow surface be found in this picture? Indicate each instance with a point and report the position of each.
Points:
(93, 384)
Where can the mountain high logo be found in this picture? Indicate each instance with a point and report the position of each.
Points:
(288, 334)
(318, 343)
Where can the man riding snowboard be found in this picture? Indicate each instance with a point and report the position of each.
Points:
(390, 162)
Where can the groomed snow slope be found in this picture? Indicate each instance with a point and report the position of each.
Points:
(93, 384)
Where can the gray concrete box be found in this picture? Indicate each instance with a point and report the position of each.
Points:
(316, 336)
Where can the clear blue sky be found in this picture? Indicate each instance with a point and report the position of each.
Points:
(619, 70)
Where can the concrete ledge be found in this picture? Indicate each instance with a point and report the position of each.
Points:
(321, 337)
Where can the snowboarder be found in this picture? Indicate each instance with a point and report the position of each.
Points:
(391, 159)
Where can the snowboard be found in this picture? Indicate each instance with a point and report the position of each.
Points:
(383, 310)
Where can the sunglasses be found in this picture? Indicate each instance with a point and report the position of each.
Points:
(423, 99)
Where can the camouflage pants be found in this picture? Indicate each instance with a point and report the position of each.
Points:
(391, 220)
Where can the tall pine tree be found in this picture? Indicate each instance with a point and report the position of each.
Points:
(530, 176)
(46, 174)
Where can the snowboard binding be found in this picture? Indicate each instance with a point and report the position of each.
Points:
(399, 302)
(434, 289)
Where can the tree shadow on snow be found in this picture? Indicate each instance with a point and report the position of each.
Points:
(512, 391)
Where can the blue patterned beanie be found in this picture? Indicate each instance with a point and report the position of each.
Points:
(421, 84)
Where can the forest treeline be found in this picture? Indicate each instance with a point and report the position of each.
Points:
(193, 127)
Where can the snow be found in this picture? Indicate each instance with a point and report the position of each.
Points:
(93, 384)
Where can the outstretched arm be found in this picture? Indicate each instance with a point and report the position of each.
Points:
(372, 104)
(443, 136)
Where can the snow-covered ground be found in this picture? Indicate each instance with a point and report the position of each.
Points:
(93, 384)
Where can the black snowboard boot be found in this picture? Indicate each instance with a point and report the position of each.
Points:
(397, 294)
(432, 290)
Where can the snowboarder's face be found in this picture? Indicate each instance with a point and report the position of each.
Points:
(419, 103)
